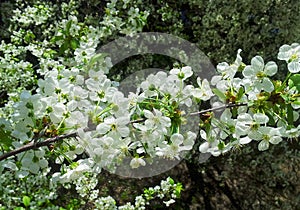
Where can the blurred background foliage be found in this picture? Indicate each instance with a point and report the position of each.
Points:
(243, 179)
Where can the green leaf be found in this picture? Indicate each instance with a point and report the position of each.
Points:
(294, 81)
(29, 37)
(26, 201)
(221, 145)
(57, 38)
(74, 44)
(68, 26)
(219, 93)
(5, 139)
(240, 93)
(234, 112)
(63, 47)
(178, 189)
(74, 165)
(271, 118)
(171, 181)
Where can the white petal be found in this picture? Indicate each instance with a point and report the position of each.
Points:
(204, 147)
(275, 139)
(261, 118)
(294, 67)
(271, 68)
(245, 118)
(103, 128)
(257, 63)
(124, 131)
(10, 165)
(203, 134)
(177, 138)
(255, 135)
(187, 70)
(21, 174)
(245, 140)
(284, 53)
(267, 85)
(241, 129)
(221, 67)
(263, 145)
(238, 59)
(148, 114)
(174, 71)
(43, 163)
(248, 71)
(215, 79)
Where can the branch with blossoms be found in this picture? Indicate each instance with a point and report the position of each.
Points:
(35, 145)
(47, 142)
(148, 124)
(218, 108)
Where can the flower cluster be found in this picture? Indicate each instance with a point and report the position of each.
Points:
(168, 190)
(147, 123)
(264, 110)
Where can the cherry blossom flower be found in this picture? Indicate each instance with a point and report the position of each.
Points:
(291, 54)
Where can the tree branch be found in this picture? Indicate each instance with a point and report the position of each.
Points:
(34, 145)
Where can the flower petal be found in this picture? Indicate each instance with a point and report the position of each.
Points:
(294, 67)
(271, 68)
(263, 145)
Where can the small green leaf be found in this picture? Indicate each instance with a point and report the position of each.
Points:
(171, 181)
(221, 145)
(219, 93)
(234, 112)
(56, 38)
(240, 93)
(19, 208)
(68, 26)
(271, 119)
(63, 47)
(74, 165)
(29, 37)
(294, 81)
(26, 201)
(178, 190)
(74, 44)
(5, 139)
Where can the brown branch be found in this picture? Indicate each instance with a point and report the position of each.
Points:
(218, 108)
(34, 145)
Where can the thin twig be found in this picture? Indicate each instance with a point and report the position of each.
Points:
(34, 145)
(218, 108)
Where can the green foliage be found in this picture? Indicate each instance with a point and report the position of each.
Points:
(26, 201)
(5, 139)
(294, 81)
(220, 28)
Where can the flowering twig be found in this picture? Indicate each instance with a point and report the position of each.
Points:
(34, 145)
(218, 108)
(202, 111)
